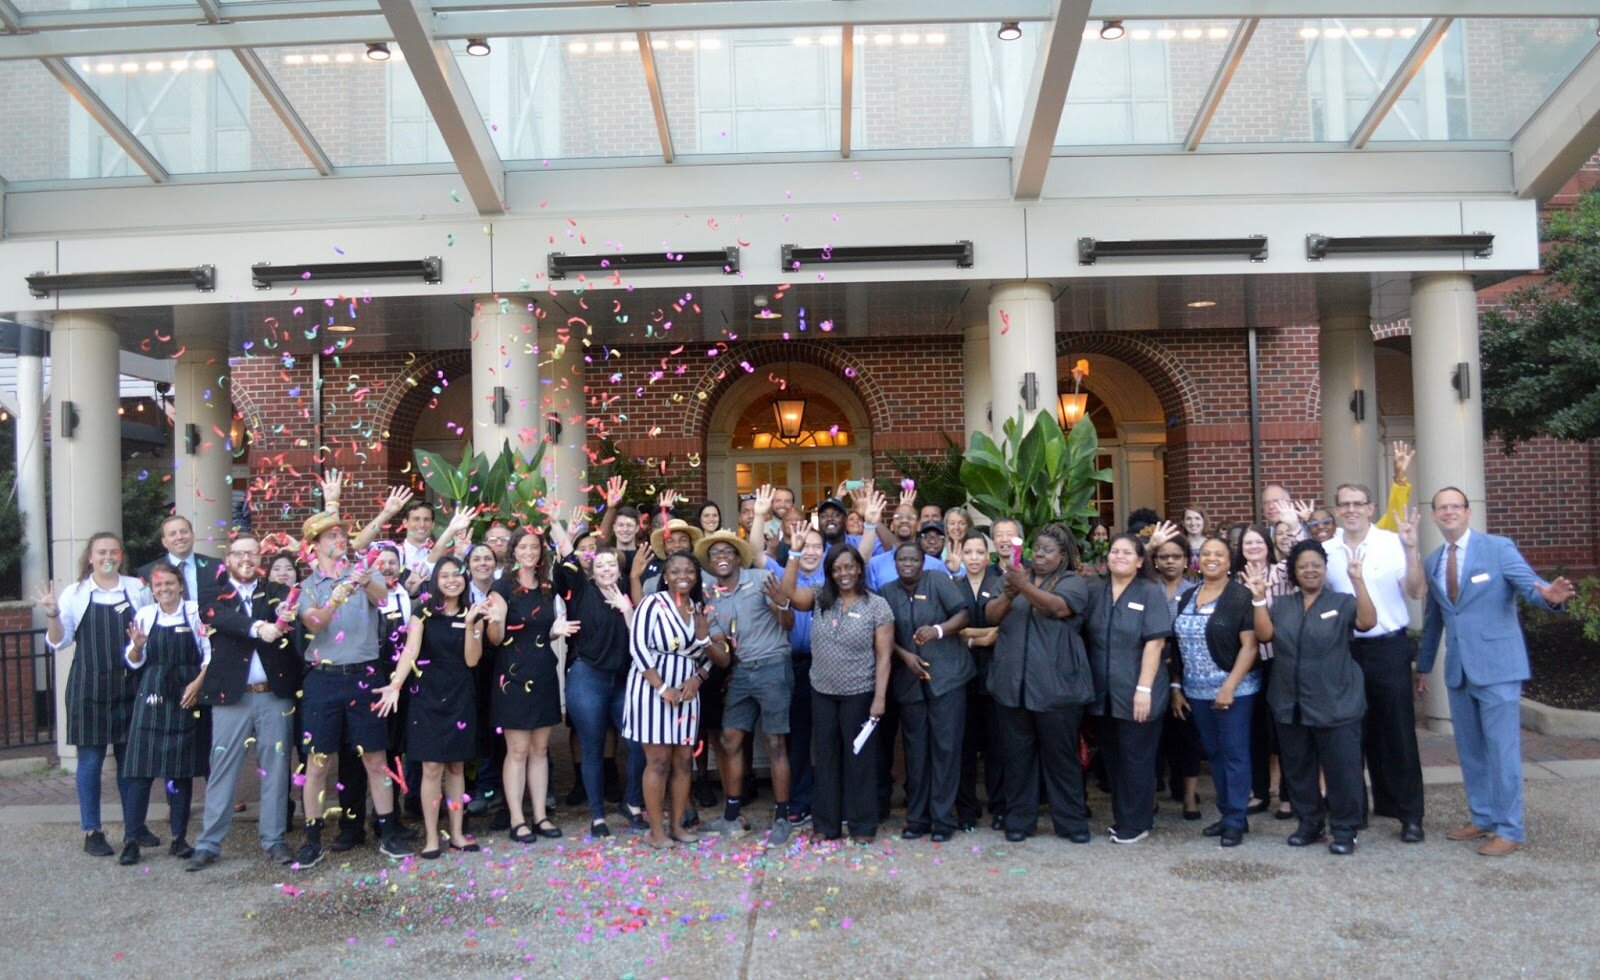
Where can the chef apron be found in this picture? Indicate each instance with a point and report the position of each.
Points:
(99, 685)
(164, 738)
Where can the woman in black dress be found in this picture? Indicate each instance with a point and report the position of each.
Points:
(526, 700)
(169, 731)
(93, 613)
(443, 644)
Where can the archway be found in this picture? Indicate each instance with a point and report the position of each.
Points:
(744, 447)
(1127, 414)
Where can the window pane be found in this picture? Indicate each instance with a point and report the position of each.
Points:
(1143, 87)
(939, 85)
(363, 113)
(48, 136)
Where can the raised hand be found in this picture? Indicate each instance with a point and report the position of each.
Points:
(331, 484)
(1558, 591)
(797, 536)
(908, 494)
(616, 489)
(398, 498)
(1161, 533)
(1354, 567)
(460, 521)
(564, 627)
(1405, 523)
(1256, 581)
(137, 636)
(1402, 460)
(616, 599)
(46, 600)
(773, 590)
(669, 499)
(872, 512)
(763, 501)
(1303, 509)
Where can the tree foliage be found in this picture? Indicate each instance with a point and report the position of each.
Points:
(1039, 476)
(1541, 350)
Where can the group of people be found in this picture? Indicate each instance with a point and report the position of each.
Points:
(434, 669)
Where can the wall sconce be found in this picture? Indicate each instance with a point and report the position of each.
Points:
(1358, 404)
(501, 405)
(69, 419)
(552, 428)
(191, 439)
(1461, 380)
(1070, 408)
(1030, 391)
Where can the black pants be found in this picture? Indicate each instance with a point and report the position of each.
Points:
(1336, 753)
(801, 779)
(1047, 740)
(888, 729)
(933, 758)
(1263, 743)
(981, 737)
(1180, 745)
(1129, 749)
(1389, 730)
(846, 783)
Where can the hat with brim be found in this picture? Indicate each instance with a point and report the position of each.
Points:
(747, 554)
(317, 524)
(833, 502)
(658, 537)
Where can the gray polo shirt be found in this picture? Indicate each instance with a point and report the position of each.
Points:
(747, 620)
(352, 635)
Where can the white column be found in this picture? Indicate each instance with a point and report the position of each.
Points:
(1350, 447)
(202, 480)
(85, 466)
(30, 455)
(562, 407)
(506, 357)
(1444, 333)
(1022, 339)
(977, 382)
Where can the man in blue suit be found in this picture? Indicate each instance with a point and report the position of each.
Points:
(1473, 581)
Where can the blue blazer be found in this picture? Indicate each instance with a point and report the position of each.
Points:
(1485, 639)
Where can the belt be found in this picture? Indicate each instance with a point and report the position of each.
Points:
(256, 688)
(1379, 637)
(349, 670)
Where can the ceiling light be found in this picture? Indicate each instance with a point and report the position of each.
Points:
(1333, 32)
(1359, 32)
(801, 41)
(1167, 33)
(1111, 30)
(294, 59)
(204, 64)
(1408, 32)
(182, 64)
(154, 65)
(378, 51)
(344, 57)
(1217, 33)
(933, 37)
(882, 39)
(910, 39)
(832, 40)
(1140, 34)
(768, 314)
(320, 58)
(1384, 32)
(604, 47)
(629, 44)
(1192, 33)
(710, 43)
(578, 47)
(1310, 33)
(129, 67)
(684, 44)
(341, 328)
(1010, 30)
(478, 47)
(1202, 304)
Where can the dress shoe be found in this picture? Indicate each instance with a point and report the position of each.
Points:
(1305, 836)
(1411, 833)
(1016, 836)
(201, 861)
(1076, 836)
(940, 836)
(130, 853)
(1498, 846)
(1232, 838)
(1215, 830)
(1342, 848)
(180, 848)
(1468, 831)
(94, 843)
(913, 833)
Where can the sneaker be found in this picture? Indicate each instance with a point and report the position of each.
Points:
(311, 851)
(350, 837)
(144, 838)
(278, 853)
(180, 848)
(732, 829)
(800, 819)
(130, 853)
(780, 831)
(391, 841)
(94, 844)
(1136, 838)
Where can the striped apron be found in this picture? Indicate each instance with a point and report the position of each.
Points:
(99, 686)
(165, 738)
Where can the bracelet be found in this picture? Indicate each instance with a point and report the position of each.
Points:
(54, 615)
(1141, 689)
(786, 607)
(940, 628)
(1259, 603)
(1175, 686)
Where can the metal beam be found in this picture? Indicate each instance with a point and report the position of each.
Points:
(1560, 136)
(847, 77)
(1220, 81)
(339, 23)
(1047, 97)
(444, 90)
(658, 104)
(10, 17)
(102, 114)
(1414, 60)
(268, 87)
(1320, 9)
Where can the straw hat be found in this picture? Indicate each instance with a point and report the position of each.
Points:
(317, 523)
(747, 554)
(658, 537)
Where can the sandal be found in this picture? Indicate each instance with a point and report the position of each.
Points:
(690, 839)
(547, 828)
(432, 855)
(663, 845)
(527, 838)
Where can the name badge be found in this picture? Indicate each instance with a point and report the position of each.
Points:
(182, 629)
(985, 595)
(919, 598)
(1136, 607)
(123, 606)
(853, 615)
(458, 626)
(1480, 578)
(1329, 614)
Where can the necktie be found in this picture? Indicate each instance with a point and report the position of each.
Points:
(1452, 578)
(244, 600)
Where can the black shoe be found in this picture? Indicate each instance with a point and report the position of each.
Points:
(130, 854)
(1282, 814)
(144, 838)
(201, 861)
(278, 853)
(1076, 836)
(913, 833)
(546, 828)
(1016, 836)
(1212, 830)
(311, 853)
(180, 848)
(94, 843)
(1259, 806)
(1342, 847)
(1305, 836)
(1232, 838)
(1190, 814)
(940, 836)
(350, 837)
(599, 828)
(1411, 833)
(391, 839)
(998, 823)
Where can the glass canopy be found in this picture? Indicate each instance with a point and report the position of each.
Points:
(100, 89)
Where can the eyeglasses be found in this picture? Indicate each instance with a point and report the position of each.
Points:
(1320, 522)
(232, 553)
(497, 539)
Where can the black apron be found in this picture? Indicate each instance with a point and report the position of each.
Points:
(99, 685)
(165, 738)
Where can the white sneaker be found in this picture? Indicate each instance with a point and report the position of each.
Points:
(1141, 835)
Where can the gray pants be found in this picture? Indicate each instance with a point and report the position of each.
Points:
(271, 720)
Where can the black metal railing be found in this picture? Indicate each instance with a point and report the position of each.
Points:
(27, 689)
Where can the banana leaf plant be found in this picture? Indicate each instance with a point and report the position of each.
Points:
(1040, 476)
(509, 487)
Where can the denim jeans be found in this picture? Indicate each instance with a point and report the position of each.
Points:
(1225, 736)
(180, 801)
(595, 699)
(91, 761)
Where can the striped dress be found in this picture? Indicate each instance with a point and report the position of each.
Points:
(661, 641)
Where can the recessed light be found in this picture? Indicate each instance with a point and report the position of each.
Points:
(341, 328)
(1010, 30)
(1111, 30)
(378, 51)
(478, 47)
(1202, 304)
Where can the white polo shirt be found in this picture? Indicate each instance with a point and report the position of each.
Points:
(1383, 565)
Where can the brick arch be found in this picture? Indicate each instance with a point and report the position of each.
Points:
(1180, 396)
(245, 408)
(1313, 412)
(406, 396)
(730, 367)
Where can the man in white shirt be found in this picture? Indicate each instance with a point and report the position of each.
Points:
(1392, 568)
